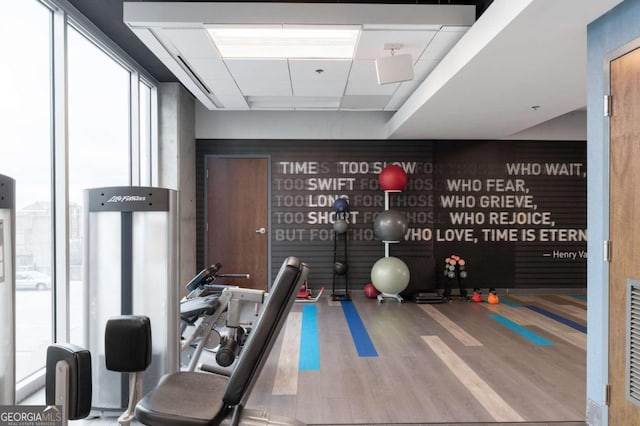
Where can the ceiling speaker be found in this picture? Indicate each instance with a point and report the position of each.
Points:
(394, 68)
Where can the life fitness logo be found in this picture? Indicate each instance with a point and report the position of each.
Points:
(125, 198)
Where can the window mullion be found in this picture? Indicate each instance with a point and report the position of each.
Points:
(134, 128)
(60, 177)
(153, 132)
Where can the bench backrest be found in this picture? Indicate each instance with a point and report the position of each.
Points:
(265, 331)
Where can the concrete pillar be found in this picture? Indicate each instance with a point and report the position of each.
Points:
(176, 166)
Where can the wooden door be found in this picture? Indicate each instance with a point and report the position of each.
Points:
(237, 204)
(624, 207)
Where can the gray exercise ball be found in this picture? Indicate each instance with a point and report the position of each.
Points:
(390, 225)
(390, 275)
(340, 226)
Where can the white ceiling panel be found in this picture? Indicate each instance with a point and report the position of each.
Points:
(175, 29)
(363, 80)
(258, 69)
(364, 102)
(265, 87)
(421, 70)
(210, 68)
(317, 103)
(192, 42)
(222, 87)
(232, 101)
(331, 69)
(405, 27)
(292, 102)
(318, 88)
(271, 102)
(371, 44)
(400, 96)
(443, 42)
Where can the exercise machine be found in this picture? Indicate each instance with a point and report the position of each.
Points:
(216, 317)
(68, 378)
(130, 268)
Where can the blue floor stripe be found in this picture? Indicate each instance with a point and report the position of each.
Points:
(361, 339)
(509, 302)
(309, 344)
(558, 318)
(579, 297)
(523, 331)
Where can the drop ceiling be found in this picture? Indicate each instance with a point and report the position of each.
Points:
(473, 79)
(177, 34)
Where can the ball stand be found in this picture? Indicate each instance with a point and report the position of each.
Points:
(384, 295)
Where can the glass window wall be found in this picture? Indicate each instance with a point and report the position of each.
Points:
(91, 113)
(25, 155)
(99, 98)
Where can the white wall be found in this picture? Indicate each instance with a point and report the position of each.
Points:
(289, 124)
(567, 127)
(347, 125)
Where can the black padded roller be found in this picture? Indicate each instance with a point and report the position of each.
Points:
(127, 342)
(79, 362)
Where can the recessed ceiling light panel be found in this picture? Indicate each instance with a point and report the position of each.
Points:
(285, 41)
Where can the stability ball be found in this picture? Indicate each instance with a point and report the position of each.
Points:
(370, 291)
(390, 225)
(340, 226)
(393, 178)
(390, 275)
(340, 268)
(341, 205)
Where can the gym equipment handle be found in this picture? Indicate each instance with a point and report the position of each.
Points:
(245, 276)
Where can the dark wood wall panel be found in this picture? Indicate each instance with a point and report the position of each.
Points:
(461, 198)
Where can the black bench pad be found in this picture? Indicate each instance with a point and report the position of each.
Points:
(183, 399)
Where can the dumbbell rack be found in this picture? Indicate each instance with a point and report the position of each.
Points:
(450, 282)
(335, 295)
(383, 295)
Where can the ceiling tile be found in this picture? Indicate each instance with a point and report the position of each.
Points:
(363, 80)
(318, 88)
(265, 87)
(269, 102)
(302, 102)
(258, 69)
(401, 95)
(403, 27)
(443, 42)
(233, 102)
(210, 68)
(364, 102)
(222, 87)
(191, 42)
(332, 69)
(371, 44)
(421, 69)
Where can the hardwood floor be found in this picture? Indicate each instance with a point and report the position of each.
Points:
(449, 363)
(457, 363)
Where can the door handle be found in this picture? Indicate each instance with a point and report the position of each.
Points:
(261, 231)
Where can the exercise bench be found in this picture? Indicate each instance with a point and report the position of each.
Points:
(192, 398)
